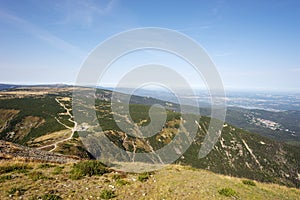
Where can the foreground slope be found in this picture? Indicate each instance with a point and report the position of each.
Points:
(21, 180)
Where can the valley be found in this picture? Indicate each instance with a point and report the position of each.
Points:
(237, 153)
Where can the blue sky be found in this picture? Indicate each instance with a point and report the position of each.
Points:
(254, 44)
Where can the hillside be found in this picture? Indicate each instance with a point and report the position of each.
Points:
(22, 180)
(276, 116)
(10, 151)
(48, 124)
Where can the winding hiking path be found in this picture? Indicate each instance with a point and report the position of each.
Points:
(139, 133)
(73, 129)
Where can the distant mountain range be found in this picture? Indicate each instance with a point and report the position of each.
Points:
(7, 86)
(12, 86)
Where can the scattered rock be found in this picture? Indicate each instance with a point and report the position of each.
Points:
(10, 150)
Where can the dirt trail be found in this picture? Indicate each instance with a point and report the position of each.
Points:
(139, 133)
(73, 129)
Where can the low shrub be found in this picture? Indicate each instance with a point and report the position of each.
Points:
(228, 192)
(87, 168)
(57, 170)
(36, 175)
(116, 176)
(75, 175)
(45, 166)
(122, 182)
(16, 191)
(249, 182)
(18, 167)
(5, 177)
(107, 194)
(144, 177)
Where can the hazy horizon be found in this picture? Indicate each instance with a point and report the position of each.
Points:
(202, 89)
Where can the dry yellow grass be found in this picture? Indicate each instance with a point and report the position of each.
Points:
(51, 138)
(171, 182)
(25, 126)
(65, 99)
(22, 92)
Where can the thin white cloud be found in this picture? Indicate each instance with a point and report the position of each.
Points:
(40, 34)
(84, 12)
(104, 10)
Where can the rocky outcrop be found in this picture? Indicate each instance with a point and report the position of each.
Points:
(10, 150)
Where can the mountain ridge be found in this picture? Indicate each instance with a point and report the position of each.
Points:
(237, 153)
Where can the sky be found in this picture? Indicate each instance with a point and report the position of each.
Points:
(254, 44)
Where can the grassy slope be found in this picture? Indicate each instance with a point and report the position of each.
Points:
(279, 162)
(172, 182)
(46, 108)
(274, 158)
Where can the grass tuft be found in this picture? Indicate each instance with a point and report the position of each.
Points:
(228, 192)
(122, 182)
(16, 167)
(45, 166)
(5, 177)
(144, 177)
(57, 170)
(249, 182)
(107, 194)
(36, 175)
(87, 168)
(116, 177)
(16, 191)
